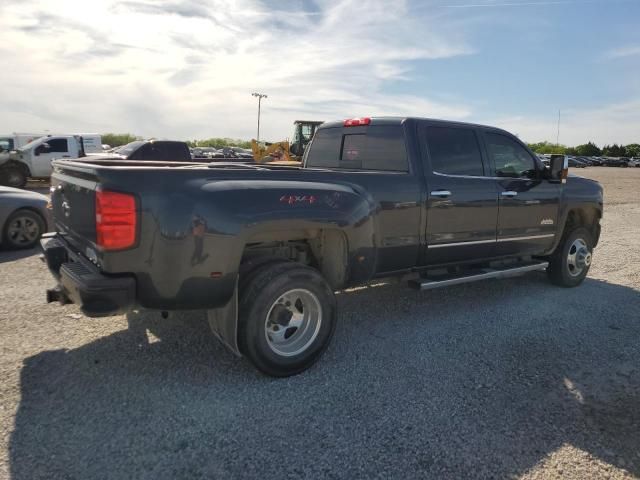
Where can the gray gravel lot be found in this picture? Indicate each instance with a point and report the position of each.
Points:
(513, 378)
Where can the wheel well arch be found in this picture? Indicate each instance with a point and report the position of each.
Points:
(324, 249)
(20, 165)
(585, 216)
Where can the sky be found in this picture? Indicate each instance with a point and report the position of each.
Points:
(186, 69)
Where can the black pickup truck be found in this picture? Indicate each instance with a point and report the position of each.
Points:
(264, 247)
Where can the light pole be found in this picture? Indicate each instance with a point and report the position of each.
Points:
(260, 97)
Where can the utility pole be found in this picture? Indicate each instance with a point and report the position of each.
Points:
(260, 97)
(558, 137)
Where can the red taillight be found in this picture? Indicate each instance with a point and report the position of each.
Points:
(116, 220)
(354, 122)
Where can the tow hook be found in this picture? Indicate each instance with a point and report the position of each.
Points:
(57, 295)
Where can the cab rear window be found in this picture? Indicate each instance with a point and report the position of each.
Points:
(379, 148)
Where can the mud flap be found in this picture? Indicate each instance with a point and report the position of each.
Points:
(224, 323)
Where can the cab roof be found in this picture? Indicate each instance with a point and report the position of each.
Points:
(395, 120)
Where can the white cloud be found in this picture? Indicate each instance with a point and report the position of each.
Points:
(616, 123)
(186, 69)
(622, 52)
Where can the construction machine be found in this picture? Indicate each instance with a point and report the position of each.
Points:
(286, 152)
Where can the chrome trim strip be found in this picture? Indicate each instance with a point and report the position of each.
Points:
(459, 244)
(479, 242)
(465, 176)
(531, 237)
(482, 177)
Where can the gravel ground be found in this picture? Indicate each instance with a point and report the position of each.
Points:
(498, 379)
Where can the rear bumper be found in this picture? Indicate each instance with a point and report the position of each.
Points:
(81, 282)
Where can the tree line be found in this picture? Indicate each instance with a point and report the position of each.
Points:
(589, 149)
(117, 139)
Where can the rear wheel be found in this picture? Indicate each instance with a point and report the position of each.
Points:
(570, 263)
(287, 316)
(23, 229)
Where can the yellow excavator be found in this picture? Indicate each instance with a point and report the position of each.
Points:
(286, 152)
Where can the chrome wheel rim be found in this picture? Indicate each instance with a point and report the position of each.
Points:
(23, 231)
(293, 322)
(579, 257)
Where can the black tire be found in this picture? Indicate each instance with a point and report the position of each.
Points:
(252, 266)
(30, 223)
(13, 176)
(560, 269)
(259, 310)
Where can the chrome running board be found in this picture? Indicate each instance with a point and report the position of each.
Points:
(427, 283)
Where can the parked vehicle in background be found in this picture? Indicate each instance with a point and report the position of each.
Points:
(16, 140)
(586, 160)
(264, 247)
(9, 143)
(616, 162)
(242, 152)
(634, 162)
(206, 153)
(575, 163)
(24, 217)
(151, 150)
(33, 160)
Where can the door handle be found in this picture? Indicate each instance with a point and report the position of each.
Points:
(66, 156)
(441, 193)
(509, 194)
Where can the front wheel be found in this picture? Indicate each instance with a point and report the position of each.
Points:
(287, 316)
(569, 264)
(13, 176)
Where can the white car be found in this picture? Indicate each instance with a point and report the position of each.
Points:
(634, 162)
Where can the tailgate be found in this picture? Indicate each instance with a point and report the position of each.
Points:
(73, 201)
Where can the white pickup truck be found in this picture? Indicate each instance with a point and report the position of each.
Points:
(33, 160)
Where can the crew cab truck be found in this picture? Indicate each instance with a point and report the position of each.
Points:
(263, 248)
(33, 160)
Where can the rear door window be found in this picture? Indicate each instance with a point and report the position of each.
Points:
(145, 152)
(454, 151)
(378, 148)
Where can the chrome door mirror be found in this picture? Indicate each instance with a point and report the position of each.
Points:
(559, 168)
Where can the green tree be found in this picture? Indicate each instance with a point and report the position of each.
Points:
(614, 150)
(571, 151)
(547, 147)
(588, 150)
(117, 139)
(633, 150)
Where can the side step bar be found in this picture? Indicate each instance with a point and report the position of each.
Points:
(480, 274)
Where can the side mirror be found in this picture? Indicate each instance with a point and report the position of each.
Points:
(559, 168)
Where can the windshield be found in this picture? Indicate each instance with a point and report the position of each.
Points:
(129, 148)
(31, 144)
